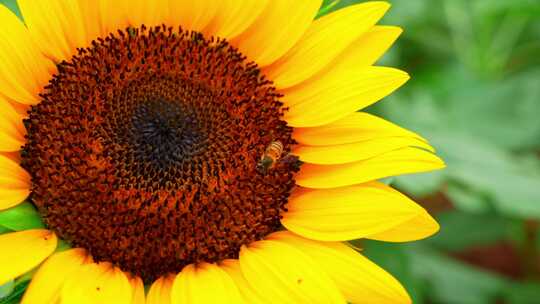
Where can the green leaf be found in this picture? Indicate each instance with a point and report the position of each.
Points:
(511, 103)
(16, 295)
(510, 181)
(467, 199)
(326, 6)
(21, 217)
(522, 293)
(7, 289)
(17, 289)
(388, 180)
(392, 258)
(13, 6)
(486, 7)
(4, 230)
(329, 6)
(420, 185)
(506, 179)
(460, 230)
(454, 282)
(62, 246)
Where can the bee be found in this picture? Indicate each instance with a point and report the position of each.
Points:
(271, 155)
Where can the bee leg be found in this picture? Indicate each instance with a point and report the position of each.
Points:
(292, 161)
(261, 169)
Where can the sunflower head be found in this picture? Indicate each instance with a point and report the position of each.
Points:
(189, 146)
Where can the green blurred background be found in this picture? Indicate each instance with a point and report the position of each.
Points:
(475, 94)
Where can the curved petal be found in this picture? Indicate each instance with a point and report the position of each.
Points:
(193, 283)
(369, 48)
(160, 291)
(234, 17)
(250, 295)
(276, 30)
(12, 197)
(363, 52)
(359, 279)
(14, 183)
(48, 280)
(349, 213)
(24, 71)
(97, 283)
(397, 162)
(338, 93)
(10, 169)
(24, 250)
(138, 296)
(57, 26)
(286, 275)
(417, 228)
(323, 41)
(191, 15)
(355, 127)
(12, 130)
(347, 153)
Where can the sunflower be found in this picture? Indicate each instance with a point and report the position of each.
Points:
(208, 150)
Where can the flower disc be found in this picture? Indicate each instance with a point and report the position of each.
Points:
(144, 151)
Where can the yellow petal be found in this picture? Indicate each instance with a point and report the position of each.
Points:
(369, 48)
(359, 279)
(234, 17)
(160, 291)
(24, 250)
(339, 93)
(9, 142)
(191, 15)
(286, 275)
(20, 108)
(14, 183)
(417, 228)
(24, 71)
(48, 280)
(14, 156)
(276, 30)
(347, 213)
(324, 40)
(12, 130)
(12, 197)
(355, 127)
(10, 170)
(114, 15)
(56, 25)
(149, 13)
(347, 153)
(397, 162)
(96, 283)
(92, 19)
(137, 286)
(193, 283)
(119, 14)
(249, 295)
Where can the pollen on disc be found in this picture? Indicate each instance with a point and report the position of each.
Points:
(144, 151)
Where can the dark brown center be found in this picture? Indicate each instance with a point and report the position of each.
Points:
(144, 151)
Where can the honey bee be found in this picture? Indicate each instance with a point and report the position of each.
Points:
(271, 155)
(274, 154)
